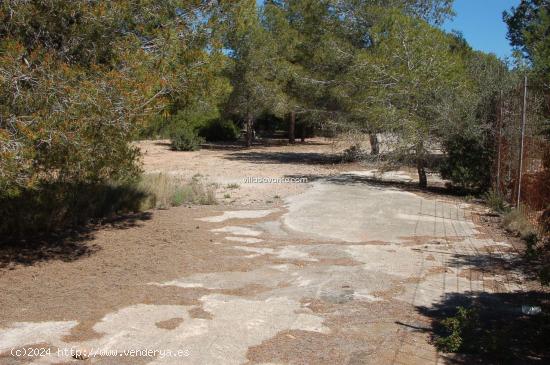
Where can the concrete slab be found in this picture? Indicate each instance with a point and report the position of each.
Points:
(362, 213)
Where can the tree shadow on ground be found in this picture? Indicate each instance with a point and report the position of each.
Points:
(353, 179)
(224, 146)
(299, 158)
(283, 141)
(497, 331)
(65, 245)
(56, 221)
(497, 262)
(240, 145)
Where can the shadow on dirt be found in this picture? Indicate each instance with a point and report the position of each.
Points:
(240, 145)
(54, 221)
(410, 186)
(496, 329)
(66, 245)
(299, 158)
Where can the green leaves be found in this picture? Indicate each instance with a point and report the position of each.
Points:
(404, 79)
(528, 30)
(78, 78)
(254, 74)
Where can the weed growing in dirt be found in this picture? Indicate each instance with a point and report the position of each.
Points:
(233, 186)
(455, 328)
(515, 221)
(537, 242)
(495, 201)
(495, 328)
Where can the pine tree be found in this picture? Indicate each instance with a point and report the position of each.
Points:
(406, 84)
(253, 72)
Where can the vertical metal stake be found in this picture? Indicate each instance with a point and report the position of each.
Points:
(500, 120)
(523, 118)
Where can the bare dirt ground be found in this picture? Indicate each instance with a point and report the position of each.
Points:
(228, 166)
(338, 270)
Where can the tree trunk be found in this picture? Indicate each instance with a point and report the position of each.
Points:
(292, 127)
(421, 165)
(422, 179)
(303, 133)
(249, 129)
(374, 145)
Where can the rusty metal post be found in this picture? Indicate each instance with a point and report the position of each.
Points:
(523, 119)
(499, 143)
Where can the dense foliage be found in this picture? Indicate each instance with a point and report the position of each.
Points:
(77, 80)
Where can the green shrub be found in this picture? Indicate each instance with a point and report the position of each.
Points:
(196, 116)
(186, 138)
(516, 222)
(51, 207)
(468, 162)
(494, 328)
(456, 329)
(220, 130)
(495, 201)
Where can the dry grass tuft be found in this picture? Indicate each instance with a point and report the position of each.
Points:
(166, 191)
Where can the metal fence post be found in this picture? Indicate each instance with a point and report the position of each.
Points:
(523, 118)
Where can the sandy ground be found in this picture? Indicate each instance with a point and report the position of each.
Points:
(338, 270)
(230, 167)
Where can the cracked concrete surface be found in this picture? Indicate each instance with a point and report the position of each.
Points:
(340, 269)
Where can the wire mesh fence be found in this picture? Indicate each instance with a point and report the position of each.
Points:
(522, 165)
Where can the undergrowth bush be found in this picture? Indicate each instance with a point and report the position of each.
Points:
(201, 118)
(50, 207)
(54, 207)
(186, 138)
(496, 333)
(467, 163)
(158, 126)
(455, 329)
(495, 201)
(516, 222)
(220, 130)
